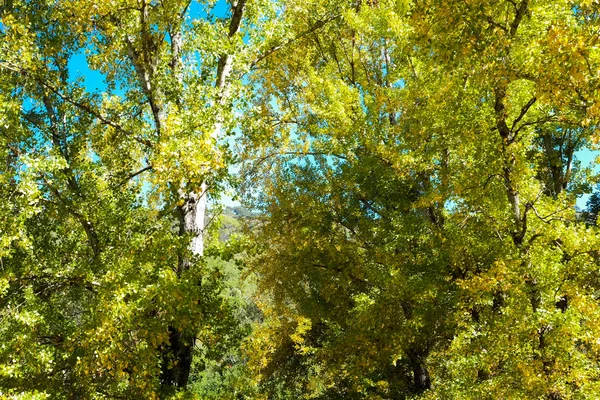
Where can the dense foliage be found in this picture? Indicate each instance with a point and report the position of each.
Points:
(412, 173)
(420, 177)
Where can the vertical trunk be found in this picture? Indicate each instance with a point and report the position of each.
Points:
(177, 358)
(421, 379)
(508, 136)
(178, 362)
(416, 355)
(177, 354)
(509, 159)
(191, 220)
(195, 203)
(198, 224)
(554, 164)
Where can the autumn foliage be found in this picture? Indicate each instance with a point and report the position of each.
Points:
(410, 171)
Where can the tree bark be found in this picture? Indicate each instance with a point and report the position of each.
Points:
(178, 356)
(176, 372)
(195, 203)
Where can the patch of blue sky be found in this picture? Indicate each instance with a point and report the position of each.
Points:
(399, 84)
(94, 81)
(588, 159)
(199, 10)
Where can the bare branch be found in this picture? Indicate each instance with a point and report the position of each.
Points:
(97, 115)
(134, 174)
(496, 25)
(545, 219)
(544, 120)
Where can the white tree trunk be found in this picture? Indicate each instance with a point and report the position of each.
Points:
(197, 245)
(223, 71)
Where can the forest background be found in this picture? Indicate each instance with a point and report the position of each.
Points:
(417, 178)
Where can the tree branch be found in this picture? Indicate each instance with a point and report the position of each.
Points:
(524, 110)
(521, 11)
(279, 46)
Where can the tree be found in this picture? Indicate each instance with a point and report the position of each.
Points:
(417, 165)
(592, 209)
(104, 194)
(414, 163)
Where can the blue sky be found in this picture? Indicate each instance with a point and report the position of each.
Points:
(588, 159)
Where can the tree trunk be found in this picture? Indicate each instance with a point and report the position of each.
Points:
(177, 357)
(177, 362)
(421, 379)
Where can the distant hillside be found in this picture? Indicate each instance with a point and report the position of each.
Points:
(231, 220)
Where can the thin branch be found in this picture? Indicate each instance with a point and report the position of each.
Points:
(185, 8)
(485, 183)
(92, 112)
(279, 46)
(87, 226)
(532, 239)
(493, 23)
(256, 165)
(144, 72)
(544, 120)
(544, 218)
(524, 110)
(370, 207)
(134, 174)
(557, 212)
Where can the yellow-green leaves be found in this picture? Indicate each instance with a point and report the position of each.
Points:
(419, 200)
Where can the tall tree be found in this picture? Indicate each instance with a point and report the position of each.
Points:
(104, 193)
(419, 176)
